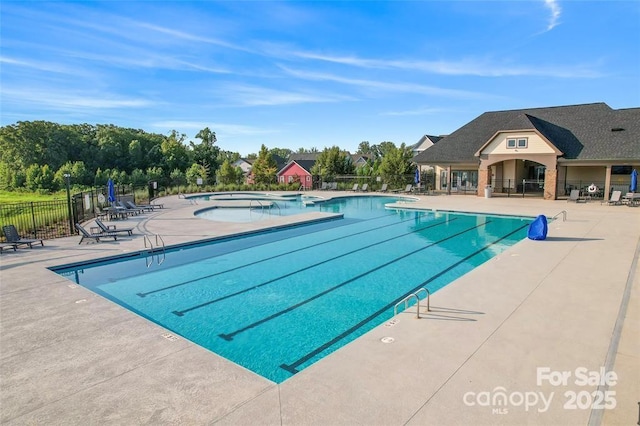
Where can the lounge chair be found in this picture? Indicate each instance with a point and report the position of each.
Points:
(365, 187)
(384, 187)
(132, 205)
(101, 214)
(575, 196)
(408, 189)
(96, 237)
(355, 187)
(4, 246)
(12, 236)
(615, 199)
(323, 187)
(631, 199)
(127, 209)
(102, 228)
(334, 186)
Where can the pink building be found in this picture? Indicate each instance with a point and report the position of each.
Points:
(297, 171)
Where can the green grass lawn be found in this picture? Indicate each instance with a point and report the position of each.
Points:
(27, 197)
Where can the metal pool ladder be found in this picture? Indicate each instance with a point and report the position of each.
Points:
(149, 244)
(408, 298)
(564, 215)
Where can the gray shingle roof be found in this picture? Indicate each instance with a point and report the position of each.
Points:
(581, 132)
(305, 164)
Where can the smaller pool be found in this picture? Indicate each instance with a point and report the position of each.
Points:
(253, 207)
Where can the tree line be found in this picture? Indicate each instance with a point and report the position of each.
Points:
(36, 156)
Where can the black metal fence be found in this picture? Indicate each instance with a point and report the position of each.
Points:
(42, 220)
(374, 183)
(55, 219)
(518, 187)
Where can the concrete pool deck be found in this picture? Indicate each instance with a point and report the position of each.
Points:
(570, 304)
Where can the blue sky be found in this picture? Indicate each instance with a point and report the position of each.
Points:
(311, 74)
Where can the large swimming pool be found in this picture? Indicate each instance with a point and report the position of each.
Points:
(276, 302)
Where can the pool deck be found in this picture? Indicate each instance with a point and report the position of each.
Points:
(570, 304)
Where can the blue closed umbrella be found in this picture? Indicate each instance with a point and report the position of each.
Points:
(111, 191)
(416, 178)
(634, 181)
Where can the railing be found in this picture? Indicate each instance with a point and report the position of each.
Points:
(41, 220)
(269, 206)
(273, 203)
(408, 298)
(149, 244)
(164, 252)
(148, 259)
(564, 215)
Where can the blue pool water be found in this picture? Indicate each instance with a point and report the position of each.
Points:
(265, 206)
(277, 302)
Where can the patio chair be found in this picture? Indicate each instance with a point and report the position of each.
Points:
(96, 237)
(323, 187)
(101, 214)
(631, 199)
(355, 187)
(4, 246)
(12, 236)
(384, 187)
(129, 210)
(365, 187)
(615, 199)
(334, 186)
(134, 206)
(575, 196)
(102, 228)
(408, 189)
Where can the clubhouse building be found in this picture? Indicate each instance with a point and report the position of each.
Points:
(540, 151)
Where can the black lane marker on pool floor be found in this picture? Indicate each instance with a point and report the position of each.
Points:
(229, 336)
(293, 367)
(274, 257)
(182, 312)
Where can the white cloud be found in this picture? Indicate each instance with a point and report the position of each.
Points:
(40, 66)
(190, 37)
(219, 128)
(472, 67)
(258, 96)
(419, 111)
(554, 7)
(384, 86)
(70, 101)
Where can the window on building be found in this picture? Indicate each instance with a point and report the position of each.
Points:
(522, 143)
(511, 143)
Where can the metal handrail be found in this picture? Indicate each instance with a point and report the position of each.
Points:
(409, 297)
(148, 259)
(564, 215)
(406, 302)
(259, 203)
(164, 253)
(428, 297)
(273, 203)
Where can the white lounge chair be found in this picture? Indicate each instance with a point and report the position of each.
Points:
(615, 198)
(575, 196)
